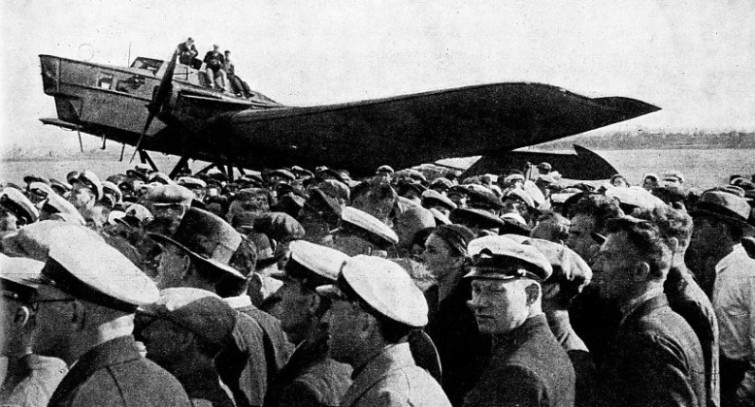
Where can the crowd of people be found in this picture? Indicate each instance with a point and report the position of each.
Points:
(293, 287)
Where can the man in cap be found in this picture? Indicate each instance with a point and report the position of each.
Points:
(375, 307)
(376, 198)
(30, 379)
(310, 377)
(87, 190)
(86, 301)
(183, 332)
(570, 275)
(195, 185)
(481, 222)
(409, 219)
(362, 233)
(321, 214)
(168, 205)
(544, 168)
(16, 210)
(673, 178)
(655, 357)
(198, 256)
(384, 173)
(720, 221)
(527, 367)
(685, 296)
(552, 226)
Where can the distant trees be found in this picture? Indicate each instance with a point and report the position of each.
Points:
(640, 140)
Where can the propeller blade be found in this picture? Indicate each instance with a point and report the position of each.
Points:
(155, 106)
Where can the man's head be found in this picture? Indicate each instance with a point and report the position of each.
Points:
(15, 210)
(720, 220)
(168, 205)
(375, 303)
(301, 307)
(87, 289)
(17, 318)
(505, 278)
(362, 233)
(552, 226)
(87, 190)
(633, 259)
(216, 47)
(589, 216)
(673, 178)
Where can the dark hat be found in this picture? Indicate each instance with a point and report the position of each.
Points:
(384, 287)
(547, 181)
(501, 258)
(63, 187)
(201, 312)
(140, 173)
(167, 195)
(456, 237)
(312, 265)
(369, 224)
(81, 264)
(515, 224)
(206, 238)
(325, 206)
(35, 178)
(725, 206)
(18, 276)
(336, 189)
(279, 226)
(544, 166)
(476, 218)
(481, 197)
(91, 181)
(15, 201)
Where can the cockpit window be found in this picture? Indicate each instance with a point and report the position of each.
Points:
(131, 84)
(147, 63)
(105, 81)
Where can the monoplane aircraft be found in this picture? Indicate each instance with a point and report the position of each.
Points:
(197, 122)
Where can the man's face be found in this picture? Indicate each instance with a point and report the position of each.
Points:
(54, 317)
(81, 196)
(613, 266)
(649, 183)
(499, 306)
(293, 306)
(459, 199)
(437, 256)
(344, 320)
(705, 234)
(580, 236)
(171, 267)
(8, 220)
(672, 182)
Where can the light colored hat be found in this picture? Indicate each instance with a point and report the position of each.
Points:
(191, 182)
(167, 195)
(494, 256)
(312, 264)
(635, 196)
(432, 197)
(18, 275)
(81, 264)
(385, 287)
(16, 202)
(368, 223)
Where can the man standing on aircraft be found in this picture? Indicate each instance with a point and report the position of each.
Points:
(215, 61)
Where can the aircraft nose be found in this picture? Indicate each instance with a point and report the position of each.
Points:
(50, 73)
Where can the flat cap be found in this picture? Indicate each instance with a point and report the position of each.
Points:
(544, 166)
(57, 207)
(109, 188)
(283, 173)
(441, 184)
(18, 275)
(325, 206)
(673, 176)
(81, 264)
(199, 311)
(15, 201)
(206, 238)
(569, 269)
(335, 189)
(384, 286)
(312, 264)
(385, 168)
(35, 178)
(40, 188)
(521, 195)
(482, 197)
(513, 177)
(440, 218)
(432, 197)
(90, 180)
(480, 218)
(166, 195)
(136, 216)
(279, 226)
(191, 182)
(368, 223)
(63, 187)
(634, 197)
(501, 258)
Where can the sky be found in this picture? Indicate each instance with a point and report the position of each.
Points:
(694, 59)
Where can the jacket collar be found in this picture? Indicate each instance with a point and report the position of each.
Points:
(513, 340)
(645, 307)
(390, 359)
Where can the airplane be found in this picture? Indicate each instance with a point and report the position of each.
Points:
(200, 123)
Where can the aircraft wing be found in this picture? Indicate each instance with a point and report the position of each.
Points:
(408, 130)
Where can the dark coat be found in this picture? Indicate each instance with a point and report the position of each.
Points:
(654, 360)
(115, 374)
(462, 348)
(242, 364)
(687, 299)
(204, 389)
(584, 368)
(310, 378)
(528, 367)
(277, 347)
